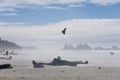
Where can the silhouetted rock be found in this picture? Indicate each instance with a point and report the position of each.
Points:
(115, 48)
(79, 47)
(87, 47)
(4, 44)
(68, 47)
(83, 47)
(112, 48)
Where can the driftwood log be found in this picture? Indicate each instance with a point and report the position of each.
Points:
(59, 62)
(6, 66)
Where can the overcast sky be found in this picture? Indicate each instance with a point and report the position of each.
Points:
(42, 21)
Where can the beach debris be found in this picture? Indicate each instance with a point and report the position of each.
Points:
(112, 53)
(64, 31)
(37, 65)
(99, 67)
(6, 66)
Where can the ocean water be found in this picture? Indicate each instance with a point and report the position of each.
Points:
(94, 57)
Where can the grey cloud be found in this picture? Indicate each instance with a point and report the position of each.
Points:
(78, 30)
(47, 3)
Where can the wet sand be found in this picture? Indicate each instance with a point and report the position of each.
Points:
(23, 70)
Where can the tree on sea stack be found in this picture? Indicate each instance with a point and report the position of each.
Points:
(4, 44)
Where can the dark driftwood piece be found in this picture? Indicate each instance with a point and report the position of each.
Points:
(6, 66)
(37, 65)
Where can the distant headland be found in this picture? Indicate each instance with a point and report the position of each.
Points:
(4, 44)
(87, 47)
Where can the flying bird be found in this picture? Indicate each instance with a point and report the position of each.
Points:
(64, 31)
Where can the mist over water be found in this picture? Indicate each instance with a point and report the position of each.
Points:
(95, 57)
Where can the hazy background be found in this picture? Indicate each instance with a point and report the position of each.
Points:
(78, 31)
(40, 22)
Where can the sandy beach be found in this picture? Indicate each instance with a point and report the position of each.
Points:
(23, 70)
